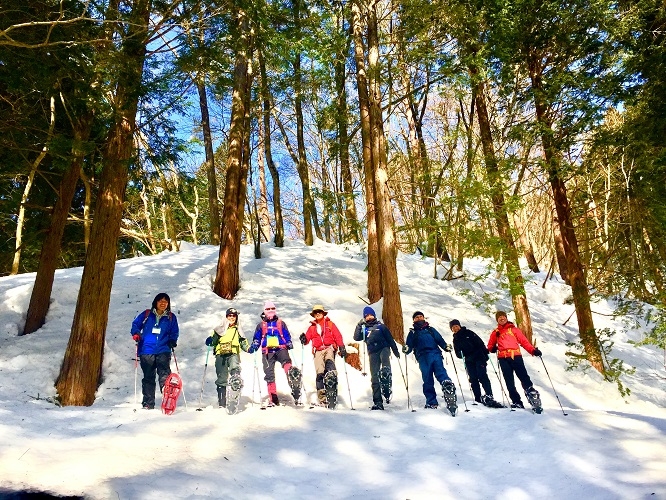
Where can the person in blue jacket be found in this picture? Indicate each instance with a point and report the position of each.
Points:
(425, 341)
(155, 331)
(379, 342)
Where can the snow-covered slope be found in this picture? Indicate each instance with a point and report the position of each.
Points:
(605, 447)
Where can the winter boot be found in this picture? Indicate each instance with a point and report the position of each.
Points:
(321, 397)
(449, 390)
(430, 407)
(386, 382)
(488, 401)
(222, 396)
(535, 399)
(274, 400)
(519, 405)
(377, 406)
(331, 385)
(294, 376)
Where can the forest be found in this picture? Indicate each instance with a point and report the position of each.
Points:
(521, 131)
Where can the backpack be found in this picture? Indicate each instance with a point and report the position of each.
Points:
(264, 333)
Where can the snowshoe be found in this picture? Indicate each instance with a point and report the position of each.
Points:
(535, 399)
(518, 405)
(234, 386)
(431, 407)
(377, 406)
(172, 389)
(294, 377)
(449, 391)
(488, 401)
(386, 382)
(331, 385)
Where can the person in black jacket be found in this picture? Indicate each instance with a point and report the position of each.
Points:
(378, 340)
(426, 342)
(469, 346)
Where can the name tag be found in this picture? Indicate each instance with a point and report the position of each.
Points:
(156, 330)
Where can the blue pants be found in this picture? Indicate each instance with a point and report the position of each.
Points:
(430, 363)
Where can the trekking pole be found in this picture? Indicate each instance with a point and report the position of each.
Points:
(351, 401)
(551, 384)
(468, 380)
(404, 380)
(178, 371)
(203, 379)
(504, 396)
(459, 384)
(256, 375)
(407, 384)
(365, 350)
(136, 369)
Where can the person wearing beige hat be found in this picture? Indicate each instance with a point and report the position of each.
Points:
(325, 338)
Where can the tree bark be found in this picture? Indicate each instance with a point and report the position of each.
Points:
(213, 205)
(275, 176)
(81, 368)
(575, 272)
(374, 271)
(48, 259)
(227, 279)
(388, 252)
(514, 275)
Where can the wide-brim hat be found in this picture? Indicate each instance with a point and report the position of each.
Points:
(318, 308)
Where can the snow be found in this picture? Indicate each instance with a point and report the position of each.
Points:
(606, 447)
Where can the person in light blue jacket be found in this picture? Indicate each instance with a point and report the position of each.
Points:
(155, 331)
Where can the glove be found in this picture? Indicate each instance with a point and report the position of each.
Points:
(136, 337)
(172, 344)
(303, 339)
(209, 340)
(405, 349)
(342, 351)
(448, 348)
(537, 352)
(244, 345)
(494, 349)
(397, 354)
(252, 348)
(290, 345)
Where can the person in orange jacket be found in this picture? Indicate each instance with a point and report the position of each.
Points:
(325, 338)
(506, 340)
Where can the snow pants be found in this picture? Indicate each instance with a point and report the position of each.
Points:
(224, 363)
(510, 366)
(476, 371)
(431, 364)
(268, 360)
(378, 360)
(151, 364)
(324, 362)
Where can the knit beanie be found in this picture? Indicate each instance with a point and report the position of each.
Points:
(499, 314)
(454, 322)
(417, 313)
(368, 310)
(269, 309)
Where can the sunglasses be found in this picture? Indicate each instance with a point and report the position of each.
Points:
(232, 315)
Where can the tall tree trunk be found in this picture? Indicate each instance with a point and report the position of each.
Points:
(559, 248)
(264, 221)
(388, 252)
(351, 231)
(514, 275)
(213, 205)
(581, 295)
(374, 270)
(87, 202)
(275, 176)
(48, 259)
(81, 368)
(227, 279)
(26, 192)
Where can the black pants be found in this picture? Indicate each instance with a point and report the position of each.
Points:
(476, 371)
(510, 366)
(378, 360)
(151, 363)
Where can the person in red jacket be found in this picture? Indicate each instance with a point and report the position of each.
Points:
(325, 338)
(506, 340)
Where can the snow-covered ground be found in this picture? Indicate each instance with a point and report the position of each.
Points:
(606, 447)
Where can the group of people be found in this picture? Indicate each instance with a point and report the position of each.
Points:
(155, 332)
